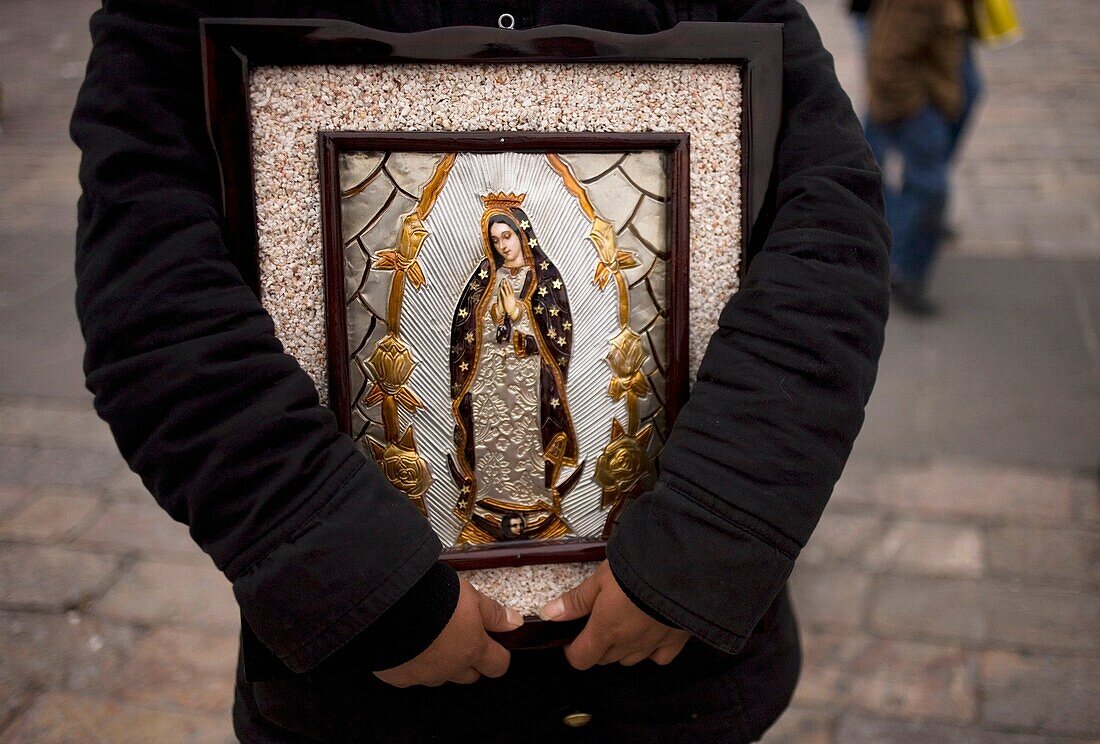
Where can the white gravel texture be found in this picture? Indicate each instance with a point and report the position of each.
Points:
(290, 105)
(527, 588)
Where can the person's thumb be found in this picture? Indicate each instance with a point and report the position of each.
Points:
(575, 603)
(496, 617)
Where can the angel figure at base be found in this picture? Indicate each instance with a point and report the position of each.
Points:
(511, 339)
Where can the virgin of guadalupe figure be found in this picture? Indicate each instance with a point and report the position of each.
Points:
(511, 338)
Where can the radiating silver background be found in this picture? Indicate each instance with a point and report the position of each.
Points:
(628, 190)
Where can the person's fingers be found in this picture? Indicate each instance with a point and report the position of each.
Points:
(614, 654)
(494, 660)
(467, 676)
(393, 681)
(575, 603)
(496, 617)
(665, 654)
(586, 649)
(635, 658)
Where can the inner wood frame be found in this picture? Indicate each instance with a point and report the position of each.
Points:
(675, 146)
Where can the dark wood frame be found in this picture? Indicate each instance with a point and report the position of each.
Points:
(231, 48)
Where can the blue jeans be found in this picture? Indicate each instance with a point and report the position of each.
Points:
(915, 211)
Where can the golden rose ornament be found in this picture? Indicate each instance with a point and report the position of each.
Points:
(404, 468)
(624, 467)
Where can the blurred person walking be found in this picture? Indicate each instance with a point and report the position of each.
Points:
(923, 85)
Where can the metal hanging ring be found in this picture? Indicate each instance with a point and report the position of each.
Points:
(506, 21)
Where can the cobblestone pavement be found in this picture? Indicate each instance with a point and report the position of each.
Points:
(950, 593)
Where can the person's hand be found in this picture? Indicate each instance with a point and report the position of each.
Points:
(617, 630)
(508, 299)
(463, 651)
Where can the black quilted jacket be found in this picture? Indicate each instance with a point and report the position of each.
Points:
(333, 567)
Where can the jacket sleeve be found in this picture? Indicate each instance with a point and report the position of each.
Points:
(780, 392)
(224, 428)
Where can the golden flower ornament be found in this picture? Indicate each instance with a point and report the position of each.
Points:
(611, 258)
(390, 367)
(403, 257)
(626, 357)
(624, 466)
(404, 468)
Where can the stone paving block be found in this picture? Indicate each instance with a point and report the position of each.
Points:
(1084, 280)
(18, 286)
(51, 515)
(829, 598)
(855, 489)
(1086, 501)
(860, 728)
(41, 466)
(801, 726)
(125, 526)
(896, 424)
(183, 668)
(986, 612)
(62, 717)
(1072, 556)
(1028, 430)
(126, 485)
(1000, 289)
(12, 698)
(12, 498)
(840, 537)
(51, 578)
(1040, 353)
(928, 548)
(892, 678)
(29, 364)
(912, 606)
(1043, 617)
(152, 593)
(69, 651)
(1041, 692)
(965, 490)
(55, 423)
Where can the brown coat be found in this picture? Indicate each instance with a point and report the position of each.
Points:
(915, 56)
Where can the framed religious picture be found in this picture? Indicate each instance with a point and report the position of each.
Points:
(498, 253)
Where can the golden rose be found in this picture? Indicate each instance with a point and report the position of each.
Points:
(624, 465)
(404, 468)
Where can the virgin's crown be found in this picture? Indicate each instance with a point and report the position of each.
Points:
(501, 200)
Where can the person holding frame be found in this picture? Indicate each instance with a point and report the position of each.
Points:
(337, 573)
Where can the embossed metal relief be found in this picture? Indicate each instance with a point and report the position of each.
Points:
(507, 320)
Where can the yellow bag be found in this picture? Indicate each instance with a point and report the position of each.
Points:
(996, 22)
